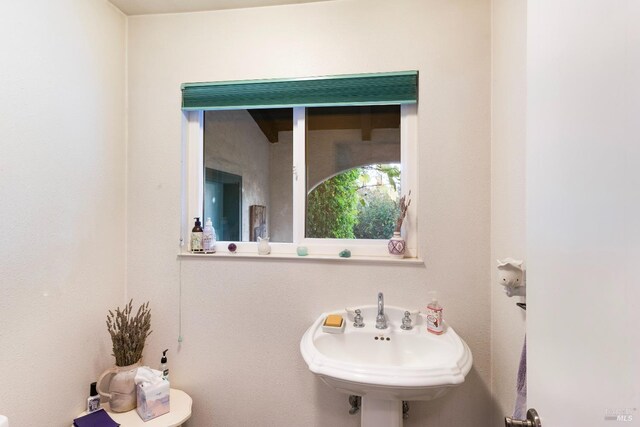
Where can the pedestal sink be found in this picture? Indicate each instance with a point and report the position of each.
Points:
(386, 366)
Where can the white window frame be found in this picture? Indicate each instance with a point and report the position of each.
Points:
(193, 184)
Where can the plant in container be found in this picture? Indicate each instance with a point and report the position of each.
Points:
(128, 335)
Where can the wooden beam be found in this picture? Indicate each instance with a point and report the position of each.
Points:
(266, 124)
(365, 122)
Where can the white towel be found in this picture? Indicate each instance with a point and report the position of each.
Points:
(520, 410)
(4, 422)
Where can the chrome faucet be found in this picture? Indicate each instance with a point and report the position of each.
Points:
(381, 320)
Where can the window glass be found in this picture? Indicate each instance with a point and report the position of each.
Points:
(352, 171)
(247, 173)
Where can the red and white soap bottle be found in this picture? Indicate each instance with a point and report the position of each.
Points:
(434, 315)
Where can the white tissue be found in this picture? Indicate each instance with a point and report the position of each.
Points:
(147, 376)
(152, 393)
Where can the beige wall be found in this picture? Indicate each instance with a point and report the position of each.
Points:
(508, 234)
(242, 320)
(62, 209)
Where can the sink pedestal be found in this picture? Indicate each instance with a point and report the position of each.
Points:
(380, 413)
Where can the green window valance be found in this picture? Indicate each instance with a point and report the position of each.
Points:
(341, 90)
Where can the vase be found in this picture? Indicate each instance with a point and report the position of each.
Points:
(122, 388)
(397, 245)
(264, 248)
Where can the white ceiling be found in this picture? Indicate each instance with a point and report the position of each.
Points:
(148, 7)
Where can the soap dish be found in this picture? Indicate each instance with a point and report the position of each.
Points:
(334, 329)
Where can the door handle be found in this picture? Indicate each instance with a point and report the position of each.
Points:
(533, 420)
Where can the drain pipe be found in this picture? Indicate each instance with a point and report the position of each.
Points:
(356, 402)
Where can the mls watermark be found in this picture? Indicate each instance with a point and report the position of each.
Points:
(620, 414)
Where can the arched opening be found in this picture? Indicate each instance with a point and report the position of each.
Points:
(359, 203)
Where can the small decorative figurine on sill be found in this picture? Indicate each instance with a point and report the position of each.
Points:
(264, 248)
(397, 245)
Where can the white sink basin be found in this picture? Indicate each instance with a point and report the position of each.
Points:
(398, 365)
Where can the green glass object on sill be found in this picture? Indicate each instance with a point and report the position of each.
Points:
(345, 253)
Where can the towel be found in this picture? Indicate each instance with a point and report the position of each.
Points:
(520, 410)
(99, 418)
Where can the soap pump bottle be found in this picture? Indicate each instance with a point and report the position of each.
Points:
(434, 315)
(93, 401)
(164, 368)
(209, 237)
(196, 236)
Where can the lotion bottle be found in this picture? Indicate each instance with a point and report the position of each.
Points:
(196, 236)
(93, 401)
(164, 368)
(434, 315)
(209, 237)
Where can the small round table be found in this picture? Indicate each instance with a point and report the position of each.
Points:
(179, 402)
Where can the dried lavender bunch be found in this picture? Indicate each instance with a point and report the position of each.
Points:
(129, 333)
(403, 206)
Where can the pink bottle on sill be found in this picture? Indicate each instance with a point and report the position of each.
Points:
(434, 316)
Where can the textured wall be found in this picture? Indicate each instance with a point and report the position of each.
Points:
(333, 151)
(281, 188)
(235, 144)
(242, 320)
(508, 219)
(62, 209)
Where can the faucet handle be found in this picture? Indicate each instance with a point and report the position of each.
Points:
(357, 320)
(406, 321)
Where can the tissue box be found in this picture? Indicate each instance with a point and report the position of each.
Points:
(153, 399)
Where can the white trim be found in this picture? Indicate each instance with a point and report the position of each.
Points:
(299, 173)
(409, 173)
(364, 247)
(193, 152)
(184, 182)
(253, 255)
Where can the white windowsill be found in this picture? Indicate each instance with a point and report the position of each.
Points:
(311, 257)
